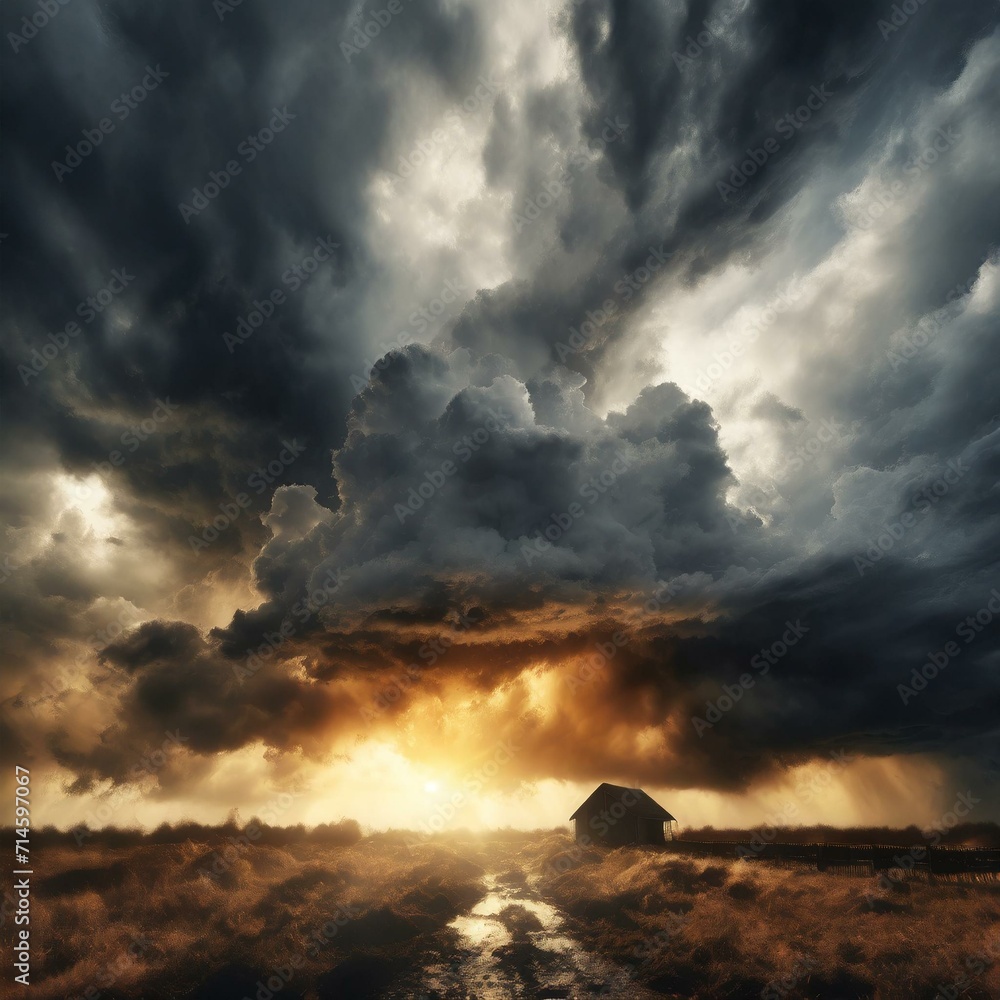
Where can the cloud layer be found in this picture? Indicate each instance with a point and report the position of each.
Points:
(684, 321)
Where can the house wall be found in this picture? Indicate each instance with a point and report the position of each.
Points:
(629, 829)
(651, 831)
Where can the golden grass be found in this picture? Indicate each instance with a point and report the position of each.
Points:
(693, 928)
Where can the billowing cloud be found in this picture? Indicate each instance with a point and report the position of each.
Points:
(684, 319)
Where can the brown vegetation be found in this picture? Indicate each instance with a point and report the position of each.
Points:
(331, 913)
(983, 835)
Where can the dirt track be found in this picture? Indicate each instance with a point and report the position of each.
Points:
(513, 944)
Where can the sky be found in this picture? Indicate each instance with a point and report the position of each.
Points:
(421, 412)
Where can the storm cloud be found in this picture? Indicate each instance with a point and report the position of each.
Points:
(565, 362)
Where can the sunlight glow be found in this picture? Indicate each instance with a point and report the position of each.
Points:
(92, 499)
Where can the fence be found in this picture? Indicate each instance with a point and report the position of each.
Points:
(936, 860)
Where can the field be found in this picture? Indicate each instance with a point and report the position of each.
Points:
(215, 914)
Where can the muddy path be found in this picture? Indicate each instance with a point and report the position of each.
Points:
(513, 944)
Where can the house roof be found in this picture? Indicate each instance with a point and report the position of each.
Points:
(607, 795)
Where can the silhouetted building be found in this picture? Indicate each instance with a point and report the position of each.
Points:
(613, 814)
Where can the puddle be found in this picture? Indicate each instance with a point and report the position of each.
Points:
(513, 957)
(484, 929)
(553, 942)
(481, 933)
(495, 902)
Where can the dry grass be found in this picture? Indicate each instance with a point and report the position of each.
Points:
(705, 929)
(984, 835)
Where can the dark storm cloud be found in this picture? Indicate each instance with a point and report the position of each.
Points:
(194, 278)
(477, 470)
(186, 281)
(690, 122)
(452, 490)
(178, 683)
(456, 473)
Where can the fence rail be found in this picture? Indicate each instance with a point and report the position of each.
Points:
(936, 860)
